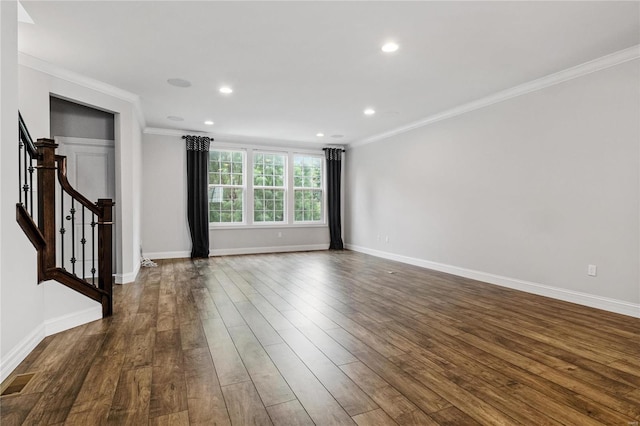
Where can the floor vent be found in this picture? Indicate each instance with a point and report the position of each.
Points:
(18, 383)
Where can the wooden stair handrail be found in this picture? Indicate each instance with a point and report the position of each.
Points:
(50, 167)
(43, 234)
(61, 162)
(26, 137)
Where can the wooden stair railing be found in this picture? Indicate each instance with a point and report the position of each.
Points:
(49, 236)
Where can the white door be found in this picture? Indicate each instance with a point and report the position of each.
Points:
(91, 171)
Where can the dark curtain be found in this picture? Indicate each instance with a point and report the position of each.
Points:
(334, 166)
(197, 193)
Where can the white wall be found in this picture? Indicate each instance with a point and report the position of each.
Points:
(21, 299)
(165, 231)
(524, 193)
(37, 81)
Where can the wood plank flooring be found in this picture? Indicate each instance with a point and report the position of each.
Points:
(331, 338)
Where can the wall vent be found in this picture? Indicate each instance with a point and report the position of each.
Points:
(18, 383)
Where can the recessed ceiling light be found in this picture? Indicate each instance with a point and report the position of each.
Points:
(209, 123)
(369, 111)
(319, 135)
(390, 47)
(175, 118)
(178, 82)
(226, 90)
(337, 136)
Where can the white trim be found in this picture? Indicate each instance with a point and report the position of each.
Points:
(20, 351)
(172, 132)
(90, 83)
(110, 143)
(167, 255)
(74, 319)
(233, 251)
(598, 302)
(248, 146)
(235, 141)
(266, 225)
(599, 64)
(258, 250)
(128, 277)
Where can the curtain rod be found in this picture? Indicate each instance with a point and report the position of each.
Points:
(324, 149)
(199, 136)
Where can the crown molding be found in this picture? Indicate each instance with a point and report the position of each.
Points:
(171, 132)
(241, 140)
(81, 80)
(260, 141)
(595, 65)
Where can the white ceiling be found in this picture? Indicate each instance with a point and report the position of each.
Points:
(299, 68)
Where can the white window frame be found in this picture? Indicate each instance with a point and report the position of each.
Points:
(284, 187)
(322, 190)
(223, 186)
(248, 201)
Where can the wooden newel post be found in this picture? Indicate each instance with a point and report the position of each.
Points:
(105, 253)
(47, 204)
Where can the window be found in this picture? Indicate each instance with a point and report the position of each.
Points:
(307, 188)
(257, 187)
(226, 186)
(269, 181)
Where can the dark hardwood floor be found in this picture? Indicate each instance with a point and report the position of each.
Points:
(331, 338)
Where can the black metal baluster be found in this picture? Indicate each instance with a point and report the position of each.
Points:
(20, 146)
(31, 169)
(93, 248)
(73, 236)
(83, 241)
(25, 187)
(62, 230)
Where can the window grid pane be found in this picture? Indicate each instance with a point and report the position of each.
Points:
(308, 205)
(307, 172)
(307, 183)
(226, 191)
(269, 177)
(225, 204)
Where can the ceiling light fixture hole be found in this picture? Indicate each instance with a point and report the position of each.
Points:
(179, 82)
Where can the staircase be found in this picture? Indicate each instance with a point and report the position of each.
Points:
(73, 236)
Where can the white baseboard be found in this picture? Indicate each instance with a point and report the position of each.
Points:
(20, 352)
(167, 255)
(598, 302)
(51, 326)
(74, 319)
(276, 249)
(233, 251)
(128, 277)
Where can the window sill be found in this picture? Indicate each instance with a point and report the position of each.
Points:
(268, 226)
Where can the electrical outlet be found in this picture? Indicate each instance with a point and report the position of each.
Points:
(279, 234)
(592, 270)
